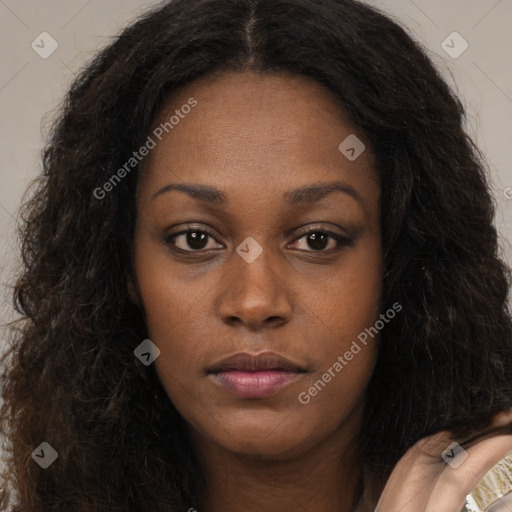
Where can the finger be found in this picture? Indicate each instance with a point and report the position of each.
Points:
(419, 471)
(455, 483)
(415, 475)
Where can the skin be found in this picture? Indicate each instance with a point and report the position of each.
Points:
(255, 138)
(422, 482)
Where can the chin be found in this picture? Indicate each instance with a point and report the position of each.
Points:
(259, 437)
(267, 449)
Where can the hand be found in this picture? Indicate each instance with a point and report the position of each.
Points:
(423, 482)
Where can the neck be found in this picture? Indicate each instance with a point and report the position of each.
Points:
(322, 479)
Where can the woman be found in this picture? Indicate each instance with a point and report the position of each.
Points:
(260, 273)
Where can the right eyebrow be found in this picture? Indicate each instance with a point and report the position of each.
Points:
(200, 192)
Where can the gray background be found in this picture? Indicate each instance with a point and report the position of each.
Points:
(32, 87)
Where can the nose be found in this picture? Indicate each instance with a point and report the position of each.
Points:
(255, 294)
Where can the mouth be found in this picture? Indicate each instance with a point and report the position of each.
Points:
(255, 376)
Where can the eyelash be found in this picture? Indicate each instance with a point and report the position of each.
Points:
(341, 241)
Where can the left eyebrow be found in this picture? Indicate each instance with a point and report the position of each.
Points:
(299, 196)
(317, 191)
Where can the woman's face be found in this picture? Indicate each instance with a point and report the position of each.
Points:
(277, 259)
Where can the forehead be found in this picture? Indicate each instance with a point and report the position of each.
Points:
(246, 130)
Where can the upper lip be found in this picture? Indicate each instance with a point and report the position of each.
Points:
(250, 362)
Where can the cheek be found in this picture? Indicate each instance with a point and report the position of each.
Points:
(345, 313)
(170, 296)
(176, 322)
(332, 398)
(346, 350)
(175, 313)
(349, 300)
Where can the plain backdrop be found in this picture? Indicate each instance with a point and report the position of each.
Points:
(31, 87)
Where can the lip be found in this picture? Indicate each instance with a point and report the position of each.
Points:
(255, 376)
(260, 384)
(245, 361)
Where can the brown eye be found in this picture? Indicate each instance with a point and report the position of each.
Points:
(321, 241)
(190, 240)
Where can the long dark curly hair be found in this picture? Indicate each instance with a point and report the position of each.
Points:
(70, 377)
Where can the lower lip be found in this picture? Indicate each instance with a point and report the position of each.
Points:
(255, 384)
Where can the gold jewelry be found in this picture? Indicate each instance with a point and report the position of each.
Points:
(496, 484)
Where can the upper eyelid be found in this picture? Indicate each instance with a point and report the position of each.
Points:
(302, 233)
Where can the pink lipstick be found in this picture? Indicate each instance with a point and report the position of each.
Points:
(255, 376)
